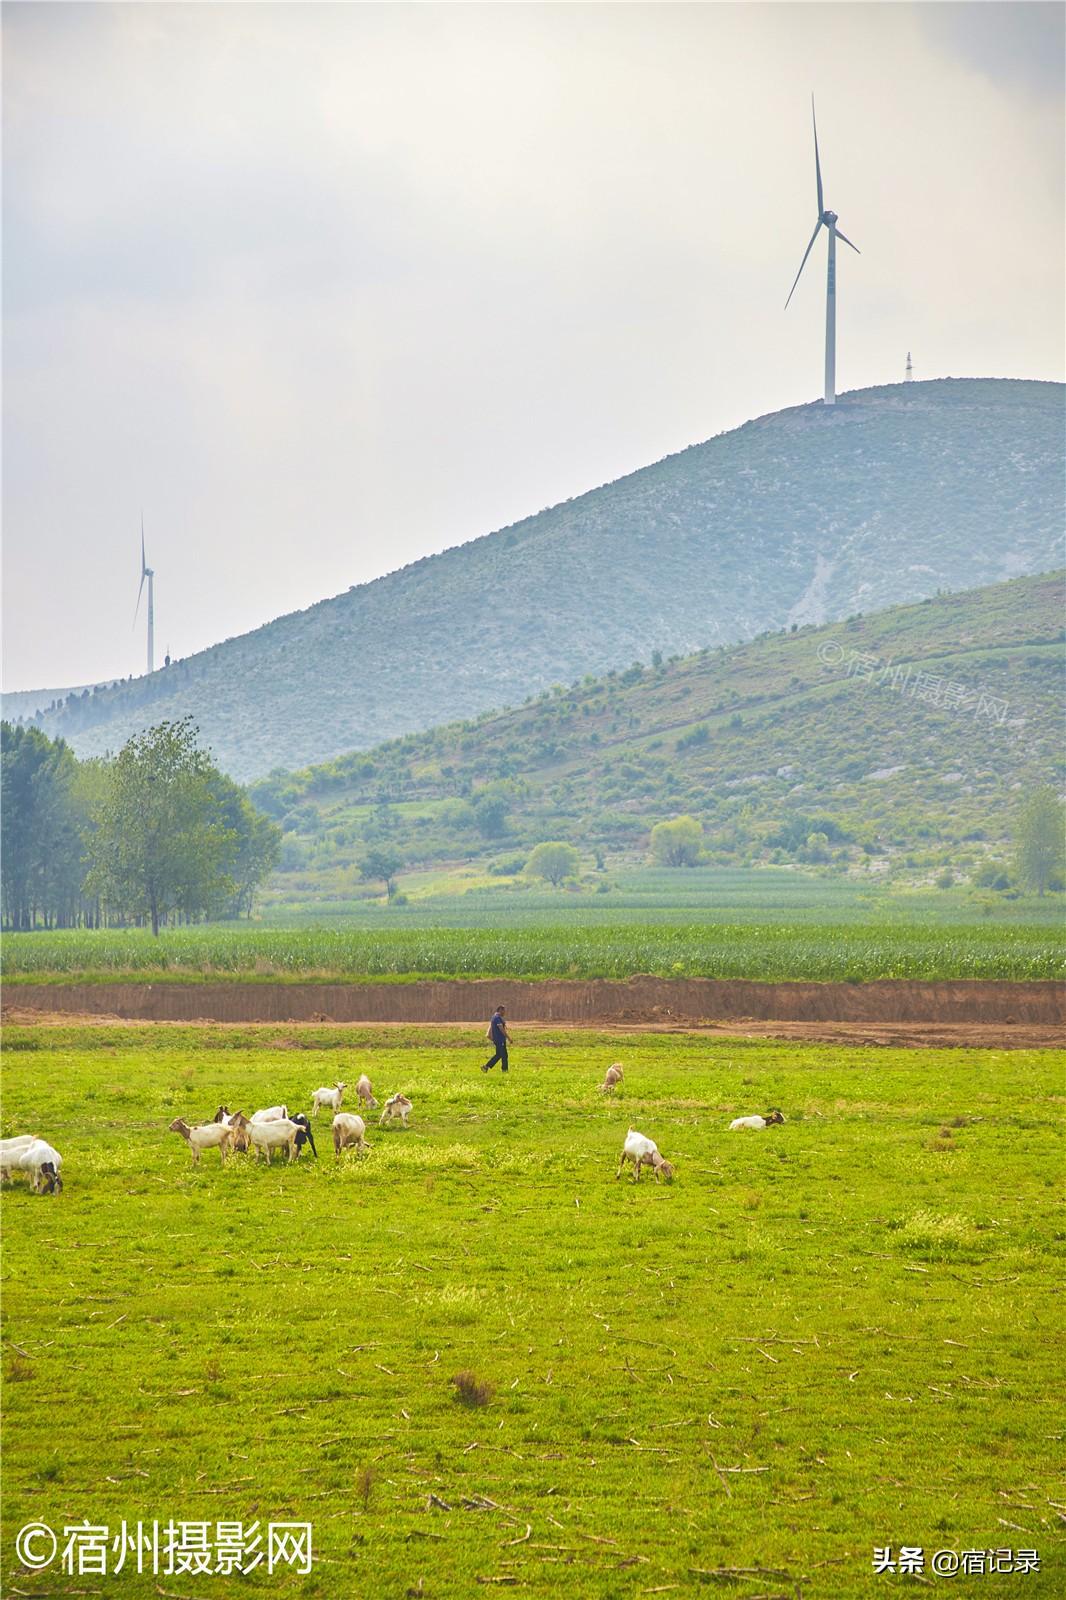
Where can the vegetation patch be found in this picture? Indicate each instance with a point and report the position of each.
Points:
(821, 1338)
(769, 952)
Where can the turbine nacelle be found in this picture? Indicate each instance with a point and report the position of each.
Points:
(829, 217)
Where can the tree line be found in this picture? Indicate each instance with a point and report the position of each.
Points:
(154, 835)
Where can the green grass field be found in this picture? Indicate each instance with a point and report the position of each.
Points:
(835, 1335)
(770, 952)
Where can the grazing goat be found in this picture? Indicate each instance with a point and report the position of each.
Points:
(348, 1129)
(42, 1162)
(29, 1153)
(204, 1137)
(756, 1122)
(613, 1078)
(365, 1094)
(281, 1134)
(330, 1098)
(271, 1114)
(643, 1153)
(397, 1108)
(12, 1151)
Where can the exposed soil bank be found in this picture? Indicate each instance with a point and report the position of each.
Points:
(640, 1001)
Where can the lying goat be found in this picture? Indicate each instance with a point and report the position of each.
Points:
(756, 1122)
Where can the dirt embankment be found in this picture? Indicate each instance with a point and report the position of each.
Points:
(963, 1012)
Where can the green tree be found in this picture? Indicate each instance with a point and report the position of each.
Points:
(1040, 839)
(678, 843)
(554, 860)
(384, 864)
(256, 844)
(491, 805)
(161, 843)
(44, 820)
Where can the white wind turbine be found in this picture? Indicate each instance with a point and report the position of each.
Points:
(827, 220)
(147, 572)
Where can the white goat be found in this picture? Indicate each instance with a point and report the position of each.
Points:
(205, 1137)
(348, 1129)
(329, 1098)
(396, 1108)
(756, 1122)
(643, 1153)
(271, 1114)
(281, 1134)
(613, 1078)
(12, 1150)
(365, 1093)
(42, 1162)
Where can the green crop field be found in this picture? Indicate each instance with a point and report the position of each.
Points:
(832, 1336)
(771, 952)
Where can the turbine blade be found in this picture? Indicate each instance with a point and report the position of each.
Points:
(817, 163)
(138, 605)
(803, 263)
(855, 247)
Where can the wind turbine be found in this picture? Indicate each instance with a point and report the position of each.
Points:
(827, 220)
(147, 572)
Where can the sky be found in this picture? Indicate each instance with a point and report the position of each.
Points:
(322, 289)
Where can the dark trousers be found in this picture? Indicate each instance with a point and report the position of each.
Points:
(500, 1056)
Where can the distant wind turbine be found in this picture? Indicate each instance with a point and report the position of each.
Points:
(827, 220)
(147, 572)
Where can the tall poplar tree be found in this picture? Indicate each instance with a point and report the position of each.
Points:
(161, 842)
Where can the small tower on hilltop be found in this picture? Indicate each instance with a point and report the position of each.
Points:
(908, 376)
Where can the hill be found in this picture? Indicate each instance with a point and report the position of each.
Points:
(906, 738)
(802, 516)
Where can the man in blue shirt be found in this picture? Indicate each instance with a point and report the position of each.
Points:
(497, 1032)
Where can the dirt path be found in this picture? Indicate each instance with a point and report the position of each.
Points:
(959, 1014)
(898, 1035)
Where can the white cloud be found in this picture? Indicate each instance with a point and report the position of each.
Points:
(324, 288)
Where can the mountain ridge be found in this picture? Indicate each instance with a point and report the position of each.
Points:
(914, 729)
(801, 515)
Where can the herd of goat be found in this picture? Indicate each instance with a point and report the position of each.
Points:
(273, 1128)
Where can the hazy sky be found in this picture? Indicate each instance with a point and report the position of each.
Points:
(325, 288)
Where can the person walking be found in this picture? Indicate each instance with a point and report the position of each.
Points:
(498, 1034)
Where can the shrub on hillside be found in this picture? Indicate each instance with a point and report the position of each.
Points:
(678, 843)
(555, 861)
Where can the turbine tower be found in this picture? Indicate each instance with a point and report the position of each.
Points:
(147, 572)
(827, 220)
(908, 376)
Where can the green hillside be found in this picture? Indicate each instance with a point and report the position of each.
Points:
(907, 737)
(802, 516)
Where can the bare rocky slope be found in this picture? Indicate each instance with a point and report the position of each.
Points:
(804, 516)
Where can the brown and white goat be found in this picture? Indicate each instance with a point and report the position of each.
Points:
(643, 1152)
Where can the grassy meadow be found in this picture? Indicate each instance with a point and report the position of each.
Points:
(834, 1335)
